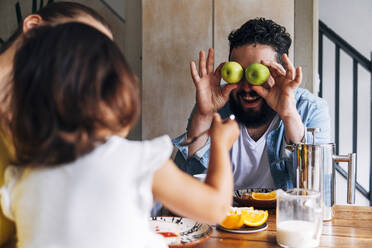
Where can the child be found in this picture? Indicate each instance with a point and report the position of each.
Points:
(77, 181)
(51, 14)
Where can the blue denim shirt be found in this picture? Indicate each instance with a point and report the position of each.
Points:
(314, 114)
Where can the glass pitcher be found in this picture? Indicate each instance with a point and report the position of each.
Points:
(315, 166)
(299, 218)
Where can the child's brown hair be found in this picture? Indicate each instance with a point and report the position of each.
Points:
(72, 87)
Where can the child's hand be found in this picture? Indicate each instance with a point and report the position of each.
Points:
(224, 132)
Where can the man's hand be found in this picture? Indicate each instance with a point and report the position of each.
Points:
(210, 97)
(280, 96)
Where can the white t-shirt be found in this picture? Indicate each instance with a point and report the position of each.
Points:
(250, 161)
(102, 199)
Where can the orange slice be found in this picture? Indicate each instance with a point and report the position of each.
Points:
(255, 217)
(235, 217)
(237, 210)
(233, 221)
(264, 196)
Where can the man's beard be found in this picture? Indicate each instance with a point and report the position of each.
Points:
(251, 118)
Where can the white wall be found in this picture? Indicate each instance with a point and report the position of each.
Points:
(306, 41)
(352, 21)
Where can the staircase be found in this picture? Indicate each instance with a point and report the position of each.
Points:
(358, 60)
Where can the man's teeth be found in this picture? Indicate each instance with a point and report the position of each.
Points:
(250, 98)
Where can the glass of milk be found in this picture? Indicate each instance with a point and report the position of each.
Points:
(299, 218)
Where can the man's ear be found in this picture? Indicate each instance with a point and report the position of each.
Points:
(31, 21)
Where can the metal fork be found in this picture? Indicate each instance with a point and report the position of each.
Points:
(191, 140)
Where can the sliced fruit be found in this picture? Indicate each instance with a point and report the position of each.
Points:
(235, 217)
(238, 210)
(264, 196)
(255, 217)
(233, 221)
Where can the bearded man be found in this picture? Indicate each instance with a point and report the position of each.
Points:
(270, 116)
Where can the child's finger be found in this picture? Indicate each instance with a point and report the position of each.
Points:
(233, 126)
(216, 117)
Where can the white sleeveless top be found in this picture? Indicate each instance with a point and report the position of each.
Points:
(102, 199)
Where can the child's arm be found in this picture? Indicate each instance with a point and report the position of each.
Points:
(187, 196)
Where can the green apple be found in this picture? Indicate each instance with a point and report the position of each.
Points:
(232, 72)
(257, 73)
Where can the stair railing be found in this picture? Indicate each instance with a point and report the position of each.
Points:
(358, 59)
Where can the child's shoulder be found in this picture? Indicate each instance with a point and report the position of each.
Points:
(162, 142)
(159, 146)
(146, 155)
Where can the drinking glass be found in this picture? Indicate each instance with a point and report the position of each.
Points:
(299, 218)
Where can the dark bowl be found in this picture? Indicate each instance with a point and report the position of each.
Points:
(243, 198)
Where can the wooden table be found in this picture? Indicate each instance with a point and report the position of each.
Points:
(350, 227)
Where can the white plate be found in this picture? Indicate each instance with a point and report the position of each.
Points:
(189, 231)
(244, 229)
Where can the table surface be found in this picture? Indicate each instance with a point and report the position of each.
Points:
(350, 227)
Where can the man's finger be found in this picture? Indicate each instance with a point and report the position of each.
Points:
(226, 90)
(217, 73)
(298, 78)
(210, 60)
(289, 66)
(269, 83)
(202, 64)
(278, 68)
(263, 92)
(194, 73)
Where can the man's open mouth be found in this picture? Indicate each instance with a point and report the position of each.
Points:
(249, 98)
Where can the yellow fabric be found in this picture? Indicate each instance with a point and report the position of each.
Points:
(7, 228)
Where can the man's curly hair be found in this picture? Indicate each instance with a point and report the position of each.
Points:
(261, 31)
